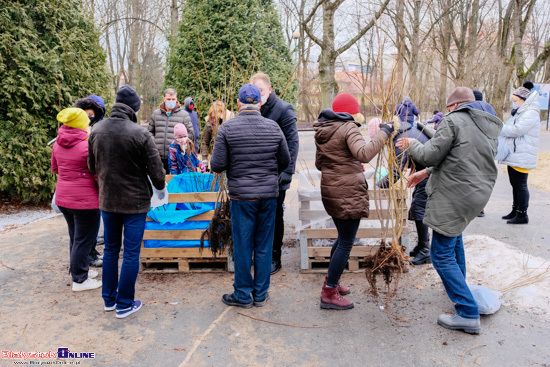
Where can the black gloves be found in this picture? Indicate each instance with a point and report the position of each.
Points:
(387, 128)
(284, 178)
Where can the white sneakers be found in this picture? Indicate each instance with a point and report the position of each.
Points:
(86, 285)
(92, 273)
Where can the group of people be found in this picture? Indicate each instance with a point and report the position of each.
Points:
(106, 169)
(454, 173)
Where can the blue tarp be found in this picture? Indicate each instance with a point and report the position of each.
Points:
(173, 216)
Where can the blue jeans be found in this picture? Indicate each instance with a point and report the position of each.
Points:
(449, 261)
(121, 291)
(253, 227)
(339, 254)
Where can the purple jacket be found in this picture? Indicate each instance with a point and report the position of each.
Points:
(76, 186)
(437, 117)
(406, 111)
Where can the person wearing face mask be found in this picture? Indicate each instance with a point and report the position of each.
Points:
(283, 114)
(217, 115)
(182, 157)
(189, 104)
(521, 140)
(163, 120)
(94, 106)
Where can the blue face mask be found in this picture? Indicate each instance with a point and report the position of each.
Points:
(515, 105)
(91, 119)
(170, 105)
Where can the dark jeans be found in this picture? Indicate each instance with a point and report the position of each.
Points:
(252, 227)
(449, 261)
(121, 291)
(520, 190)
(165, 165)
(82, 225)
(279, 227)
(422, 230)
(339, 254)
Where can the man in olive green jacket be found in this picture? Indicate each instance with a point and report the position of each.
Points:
(462, 175)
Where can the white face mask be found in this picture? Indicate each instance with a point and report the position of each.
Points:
(515, 105)
(264, 99)
(170, 105)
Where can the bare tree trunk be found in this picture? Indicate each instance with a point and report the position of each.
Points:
(134, 41)
(400, 41)
(174, 19)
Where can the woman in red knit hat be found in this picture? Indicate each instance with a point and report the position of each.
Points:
(340, 151)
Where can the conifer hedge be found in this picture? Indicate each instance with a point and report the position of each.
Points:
(49, 56)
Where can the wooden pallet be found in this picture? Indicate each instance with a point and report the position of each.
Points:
(312, 256)
(182, 259)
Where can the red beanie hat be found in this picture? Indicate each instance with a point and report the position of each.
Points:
(345, 102)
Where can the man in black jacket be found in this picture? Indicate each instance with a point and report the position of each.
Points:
(253, 151)
(283, 114)
(123, 154)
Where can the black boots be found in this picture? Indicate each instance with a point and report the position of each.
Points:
(416, 250)
(423, 255)
(520, 218)
(510, 215)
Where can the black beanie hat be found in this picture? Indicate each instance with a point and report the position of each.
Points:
(478, 95)
(90, 104)
(128, 96)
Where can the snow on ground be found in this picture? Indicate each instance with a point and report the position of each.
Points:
(497, 265)
(19, 218)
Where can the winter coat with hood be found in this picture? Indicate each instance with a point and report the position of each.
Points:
(122, 154)
(283, 114)
(76, 186)
(253, 151)
(161, 126)
(194, 118)
(521, 134)
(340, 151)
(406, 111)
(462, 169)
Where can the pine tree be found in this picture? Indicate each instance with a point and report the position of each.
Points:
(49, 56)
(231, 39)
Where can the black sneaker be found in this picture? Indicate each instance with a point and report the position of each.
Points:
(275, 266)
(230, 300)
(262, 302)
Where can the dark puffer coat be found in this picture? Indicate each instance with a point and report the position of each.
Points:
(161, 127)
(123, 154)
(253, 151)
(340, 151)
(283, 114)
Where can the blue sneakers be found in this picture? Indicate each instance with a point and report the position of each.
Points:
(120, 314)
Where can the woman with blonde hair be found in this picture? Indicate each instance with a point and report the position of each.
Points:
(217, 114)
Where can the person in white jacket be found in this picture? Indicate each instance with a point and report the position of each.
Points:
(519, 139)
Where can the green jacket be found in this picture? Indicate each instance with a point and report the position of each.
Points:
(462, 168)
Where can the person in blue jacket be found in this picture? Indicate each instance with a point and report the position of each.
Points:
(406, 110)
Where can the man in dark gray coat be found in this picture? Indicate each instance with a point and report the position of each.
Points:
(163, 120)
(462, 174)
(253, 151)
(283, 114)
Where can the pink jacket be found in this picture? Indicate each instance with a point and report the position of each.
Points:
(76, 185)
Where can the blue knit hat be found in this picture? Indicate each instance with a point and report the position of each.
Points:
(128, 96)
